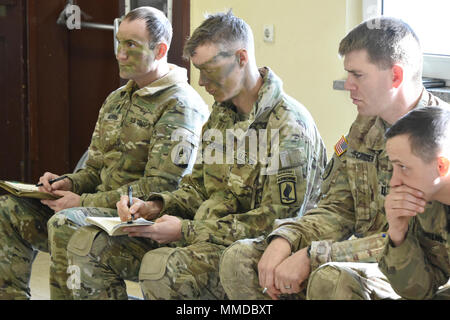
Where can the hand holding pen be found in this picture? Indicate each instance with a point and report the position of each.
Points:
(50, 182)
(136, 208)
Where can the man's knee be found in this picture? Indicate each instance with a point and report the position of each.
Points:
(242, 251)
(181, 273)
(8, 205)
(333, 281)
(238, 268)
(60, 229)
(156, 274)
(56, 221)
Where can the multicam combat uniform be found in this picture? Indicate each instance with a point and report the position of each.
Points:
(218, 203)
(130, 146)
(354, 188)
(420, 265)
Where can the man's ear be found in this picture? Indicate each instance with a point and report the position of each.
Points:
(397, 75)
(161, 50)
(443, 166)
(242, 56)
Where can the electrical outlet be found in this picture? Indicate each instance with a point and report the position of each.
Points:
(268, 33)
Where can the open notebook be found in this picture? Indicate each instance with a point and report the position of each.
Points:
(114, 226)
(26, 190)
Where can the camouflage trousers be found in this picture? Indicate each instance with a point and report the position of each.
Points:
(349, 281)
(239, 271)
(102, 263)
(240, 281)
(355, 281)
(23, 231)
(61, 227)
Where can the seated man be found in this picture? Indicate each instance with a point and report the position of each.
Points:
(130, 146)
(416, 257)
(384, 68)
(268, 167)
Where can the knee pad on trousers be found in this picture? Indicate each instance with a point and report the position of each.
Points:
(332, 282)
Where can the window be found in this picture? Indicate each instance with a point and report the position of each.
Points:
(430, 20)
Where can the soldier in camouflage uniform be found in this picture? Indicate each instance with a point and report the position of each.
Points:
(231, 194)
(130, 146)
(384, 67)
(416, 257)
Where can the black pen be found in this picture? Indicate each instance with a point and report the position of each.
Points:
(130, 198)
(51, 181)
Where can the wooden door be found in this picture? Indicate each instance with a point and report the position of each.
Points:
(13, 110)
(71, 73)
(93, 73)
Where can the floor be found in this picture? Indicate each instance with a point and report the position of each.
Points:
(39, 280)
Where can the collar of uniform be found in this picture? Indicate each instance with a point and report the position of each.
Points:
(268, 97)
(129, 88)
(269, 94)
(425, 99)
(175, 75)
(375, 136)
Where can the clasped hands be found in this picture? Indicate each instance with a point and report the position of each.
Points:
(280, 272)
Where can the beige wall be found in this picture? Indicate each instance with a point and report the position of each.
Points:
(303, 54)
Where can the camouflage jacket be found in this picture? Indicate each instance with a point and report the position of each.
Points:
(238, 196)
(132, 141)
(352, 203)
(420, 265)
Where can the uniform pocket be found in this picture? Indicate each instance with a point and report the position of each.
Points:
(358, 174)
(110, 129)
(154, 263)
(81, 241)
(242, 182)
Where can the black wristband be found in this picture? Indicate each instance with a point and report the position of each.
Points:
(308, 251)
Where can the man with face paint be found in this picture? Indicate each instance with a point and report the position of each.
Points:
(135, 139)
(232, 192)
(416, 257)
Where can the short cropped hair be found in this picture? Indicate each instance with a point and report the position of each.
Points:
(159, 27)
(428, 129)
(220, 29)
(388, 41)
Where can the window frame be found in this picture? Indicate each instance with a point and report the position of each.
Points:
(434, 66)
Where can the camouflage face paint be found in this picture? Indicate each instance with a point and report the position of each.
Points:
(138, 59)
(219, 79)
(135, 51)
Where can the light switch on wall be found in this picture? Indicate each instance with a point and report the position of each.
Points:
(268, 34)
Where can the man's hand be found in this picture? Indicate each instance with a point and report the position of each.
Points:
(166, 229)
(401, 204)
(64, 184)
(290, 275)
(148, 210)
(277, 251)
(68, 200)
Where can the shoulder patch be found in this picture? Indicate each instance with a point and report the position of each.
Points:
(287, 182)
(341, 146)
